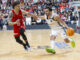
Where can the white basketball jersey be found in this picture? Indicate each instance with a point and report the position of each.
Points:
(55, 24)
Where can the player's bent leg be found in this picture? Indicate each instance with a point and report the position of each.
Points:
(25, 38)
(65, 37)
(22, 34)
(73, 44)
(52, 50)
(20, 42)
(68, 40)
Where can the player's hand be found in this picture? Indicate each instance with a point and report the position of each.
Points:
(67, 27)
(18, 22)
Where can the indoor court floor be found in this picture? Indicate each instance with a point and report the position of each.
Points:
(11, 50)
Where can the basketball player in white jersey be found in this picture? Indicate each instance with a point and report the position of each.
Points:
(58, 27)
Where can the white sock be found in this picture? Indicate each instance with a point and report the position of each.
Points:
(70, 39)
(52, 44)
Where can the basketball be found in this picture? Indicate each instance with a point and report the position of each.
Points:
(70, 31)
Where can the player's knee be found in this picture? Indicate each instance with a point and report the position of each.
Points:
(52, 37)
(22, 34)
(18, 40)
(25, 38)
(21, 31)
(66, 40)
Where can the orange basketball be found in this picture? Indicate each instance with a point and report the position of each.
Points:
(70, 31)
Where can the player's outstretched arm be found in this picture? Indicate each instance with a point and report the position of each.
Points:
(30, 14)
(57, 18)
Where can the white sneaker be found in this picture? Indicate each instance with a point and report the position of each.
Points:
(28, 48)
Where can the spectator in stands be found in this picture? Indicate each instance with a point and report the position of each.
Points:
(1, 22)
(75, 18)
(63, 18)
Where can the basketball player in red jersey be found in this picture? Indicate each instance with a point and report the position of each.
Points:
(16, 19)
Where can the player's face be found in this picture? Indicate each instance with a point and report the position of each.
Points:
(47, 11)
(17, 7)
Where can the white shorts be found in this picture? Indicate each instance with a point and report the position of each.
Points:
(56, 32)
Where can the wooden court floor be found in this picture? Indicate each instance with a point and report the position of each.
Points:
(10, 50)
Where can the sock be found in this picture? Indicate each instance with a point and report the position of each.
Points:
(25, 47)
(70, 39)
(27, 44)
(52, 44)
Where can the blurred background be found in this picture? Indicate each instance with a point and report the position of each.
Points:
(68, 10)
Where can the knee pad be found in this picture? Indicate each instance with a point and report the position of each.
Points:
(21, 31)
(18, 40)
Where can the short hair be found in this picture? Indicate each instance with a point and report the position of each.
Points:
(50, 9)
(15, 3)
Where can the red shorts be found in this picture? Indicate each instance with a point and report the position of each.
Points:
(16, 30)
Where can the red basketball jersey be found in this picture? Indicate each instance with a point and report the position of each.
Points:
(16, 28)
